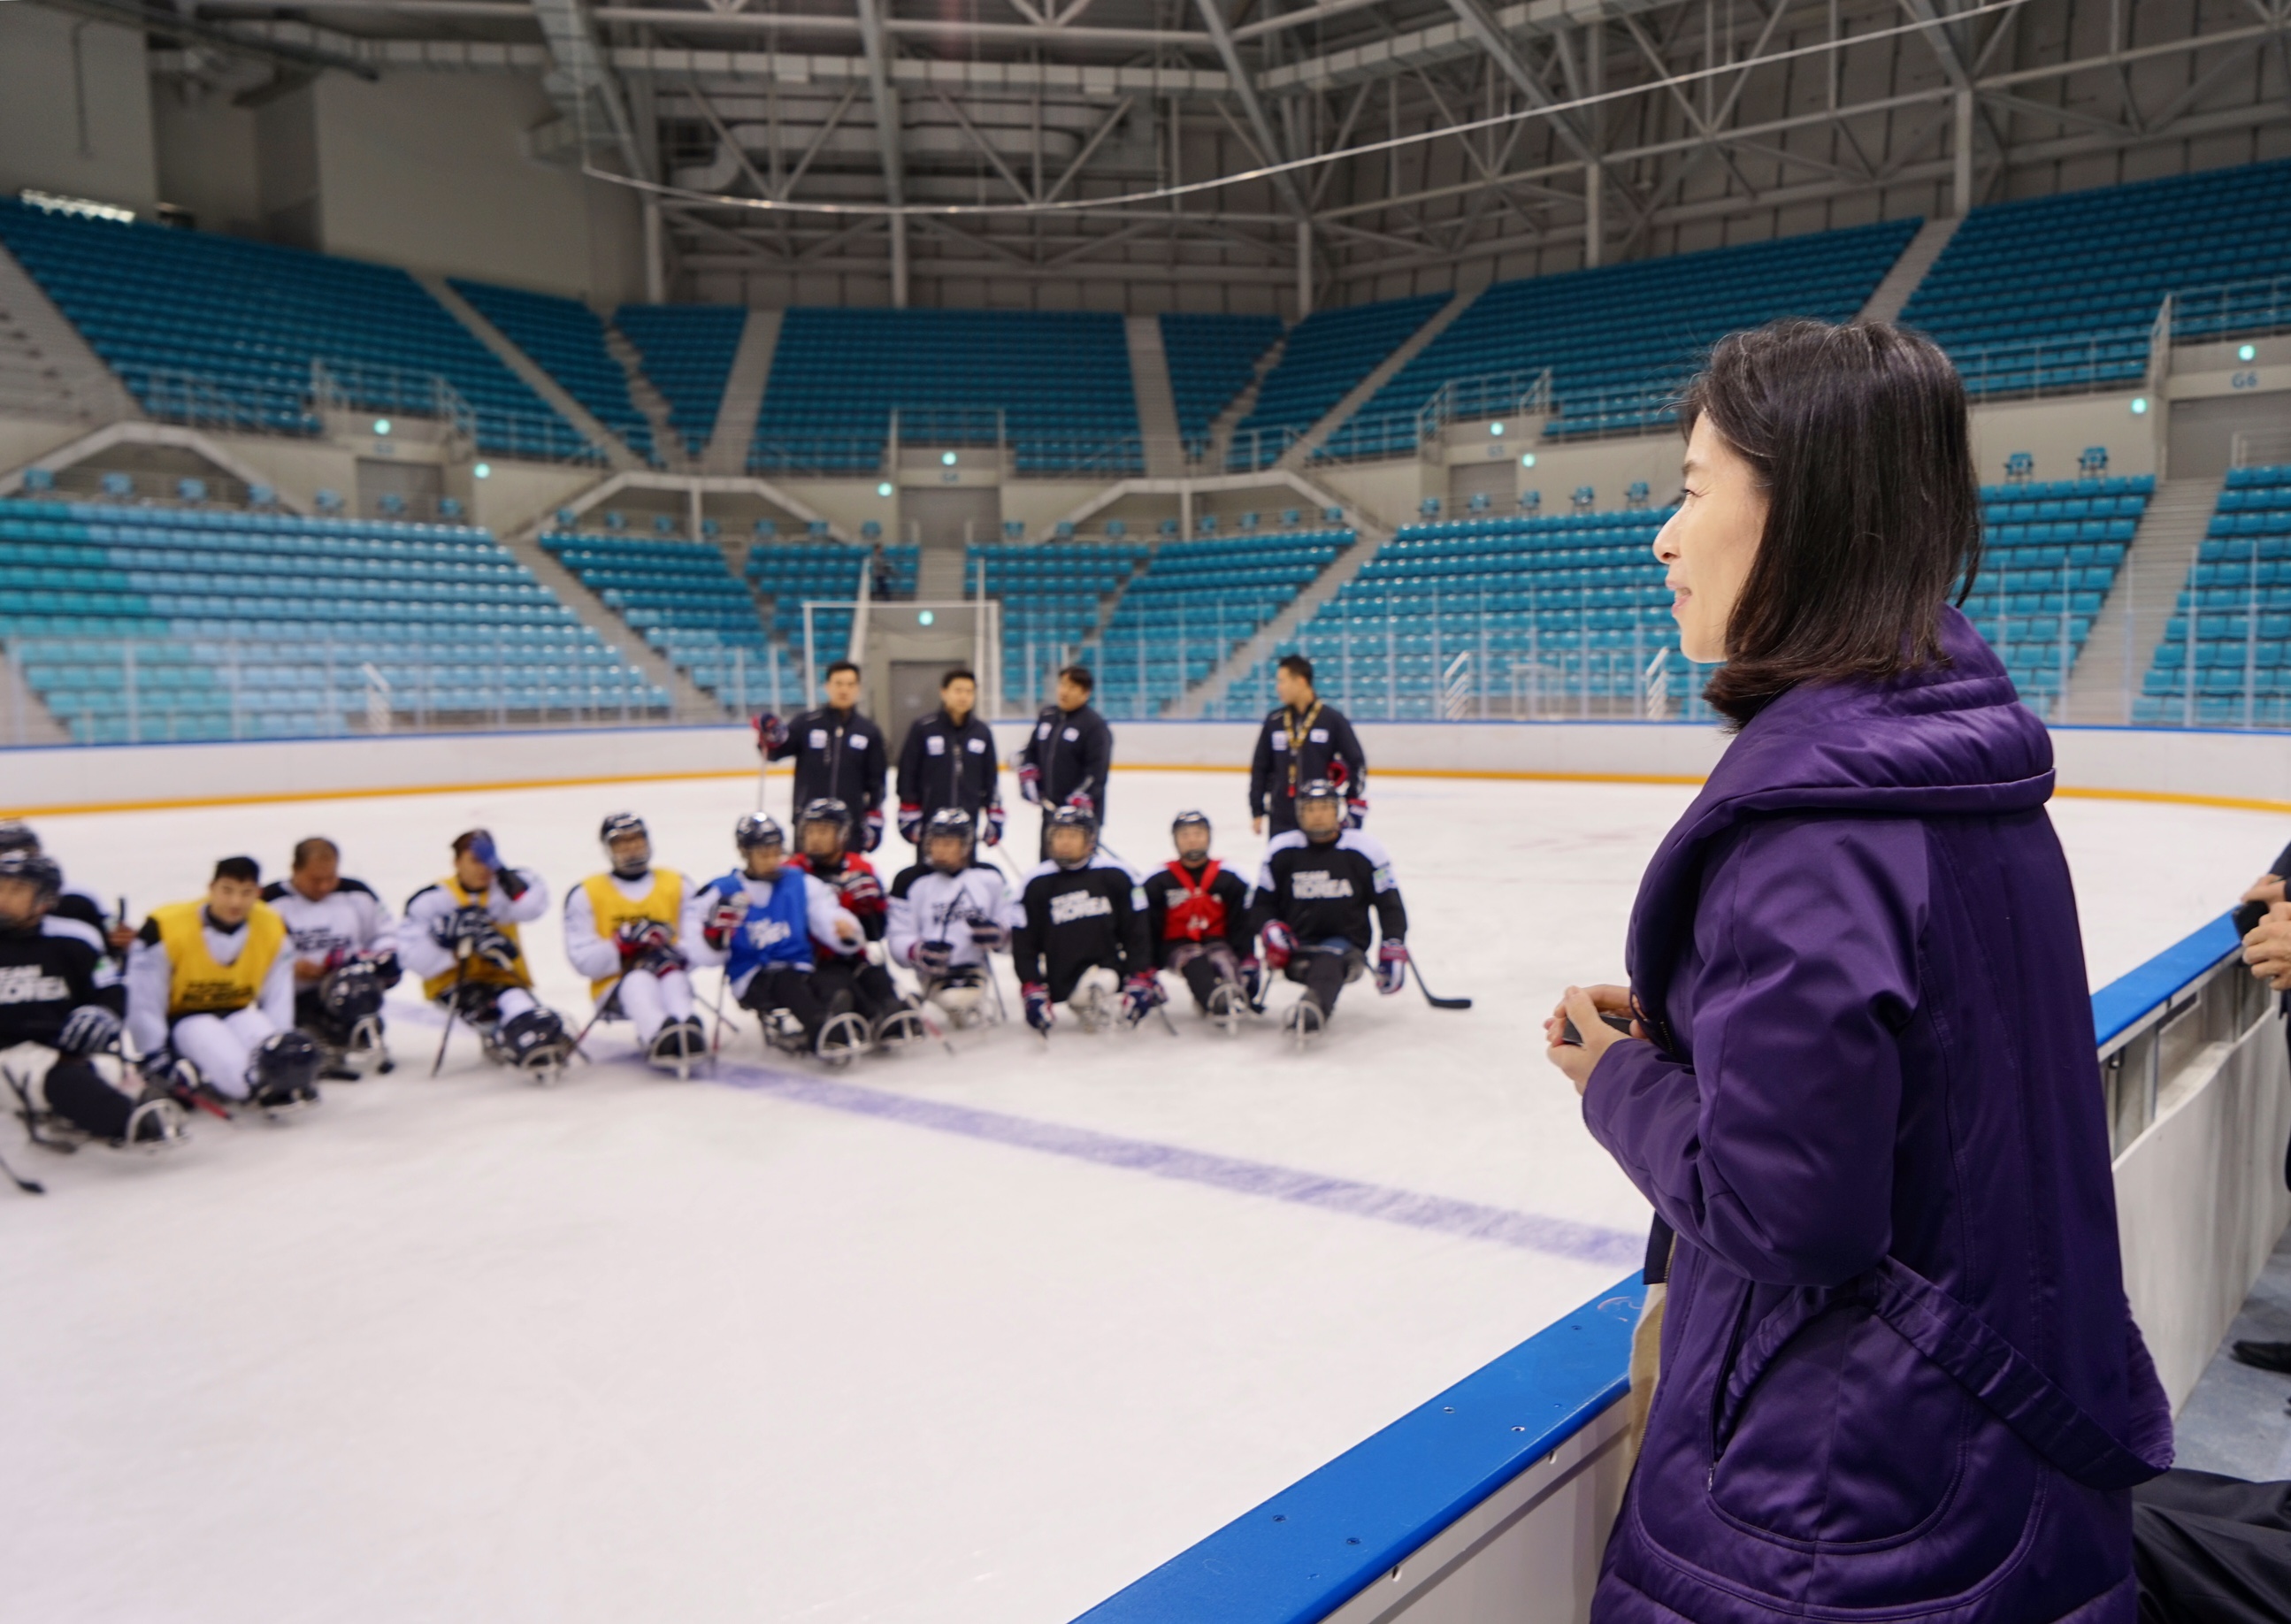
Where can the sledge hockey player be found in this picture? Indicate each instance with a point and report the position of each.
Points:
(839, 754)
(621, 930)
(1303, 739)
(949, 760)
(761, 922)
(1319, 884)
(210, 986)
(948, 913)
(345, 958)
(461, 937)
(1197, 918)
(1066, 758)
(847, 977)
(1081, 932)
(16, 835)
(60, 991)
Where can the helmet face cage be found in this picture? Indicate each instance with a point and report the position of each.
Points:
(1185, 823)
(754, 830)
(16, 835)
(621, 826)
(1072, 817)
(33, 869)
(1313, 797)
(828, 811)
(949, 823)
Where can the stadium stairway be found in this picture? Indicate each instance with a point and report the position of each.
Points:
(1310, 442)
(1237, 410)
(25, 717)
(1886, 300)
(1245, 656)
(667, 442)
(743, 396)
(536, 377)
(1157, 405)
(689, 702)
(46, 368)
(2139, 603)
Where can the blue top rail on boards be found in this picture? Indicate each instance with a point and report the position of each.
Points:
(1318, 1543)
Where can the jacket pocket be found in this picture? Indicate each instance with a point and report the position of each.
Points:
(1828, 1427)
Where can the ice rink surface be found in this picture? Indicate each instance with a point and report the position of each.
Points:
(947, 1339)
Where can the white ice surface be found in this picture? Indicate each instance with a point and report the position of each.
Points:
(631, 1350)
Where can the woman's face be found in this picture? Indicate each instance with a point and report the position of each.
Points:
(1709, 545)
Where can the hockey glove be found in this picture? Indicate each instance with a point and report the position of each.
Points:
(1252, 980)
(861, 892)
(497, 949)
(1279, 942)
(988, 936)
(461, 925)
(638, 938)
(158, 1068)
(850, 935)
(1029, 785)
(872, 834)
(386, 970)
(1355, 811)
(1038, 1006)
(483, 849)
(993, 823)
(931, 958)
(724, 917)
(771, 733)
(911, 823)
(1080, 798)
(1391, 966)
(88, 1030)
(1139, 994)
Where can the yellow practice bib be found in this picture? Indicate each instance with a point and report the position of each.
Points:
(198, 985)
(481, 970)
(611, 910)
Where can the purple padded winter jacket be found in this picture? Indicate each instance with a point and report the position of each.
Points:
(1898, 1376)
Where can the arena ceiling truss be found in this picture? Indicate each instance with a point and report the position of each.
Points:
(1274, 154)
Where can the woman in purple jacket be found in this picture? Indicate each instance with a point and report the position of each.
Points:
(1898, 1375)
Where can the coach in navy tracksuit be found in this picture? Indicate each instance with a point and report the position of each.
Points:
(949, 760)
(1068, 755)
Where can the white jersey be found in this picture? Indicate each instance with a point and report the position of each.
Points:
(350, 920)
(421, 952)
(927, 904)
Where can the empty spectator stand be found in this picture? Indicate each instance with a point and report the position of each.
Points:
(1212, 359)
(687, 350)
(2231, 627)
(2050, 554)
(1327, 354)
(567, 341)
(1051, 597)
(1196, 601)
(221, 330)
(827, 574)
(1509, 616)
(1619, 339)
(1054, 386)
(682, 599)
(2061, 292)
(153, 623)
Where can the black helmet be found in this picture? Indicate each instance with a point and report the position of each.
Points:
(16, 835)
(618, 826)
(826, 809)
(1073, 818)
(1321, 789)
(47, 880)
(950, 823)
(755, 829)
(1189, 820)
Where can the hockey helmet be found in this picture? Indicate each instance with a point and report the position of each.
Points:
(620, 826)
(350, 993)
(1313, 798)
(826, 809)
(35, 870)
(16, 835)
(1184, 821)
(755, 829)
(1072, 817)
(949, 824)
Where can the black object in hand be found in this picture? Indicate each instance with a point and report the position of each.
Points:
(1569, 1033)
(2247, 916)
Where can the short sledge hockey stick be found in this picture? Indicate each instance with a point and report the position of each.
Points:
(1429, 998)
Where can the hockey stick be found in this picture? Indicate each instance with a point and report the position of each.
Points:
(29, 1186)
(716, 1042)
(453, 1001)
(1437, 1003)
(604, 1002)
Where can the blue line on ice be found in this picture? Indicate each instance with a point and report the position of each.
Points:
(1529, 1232)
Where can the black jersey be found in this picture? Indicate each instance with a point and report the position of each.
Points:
(1072, 918)
(48, 972)
(1326, 892)
(1184, 905)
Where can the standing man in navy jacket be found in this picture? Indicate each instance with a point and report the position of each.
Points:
(838, 755)
(949, 760)
(1304, 742)
(1068, 755)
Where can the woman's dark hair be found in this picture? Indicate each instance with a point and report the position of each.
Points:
(1857, 434)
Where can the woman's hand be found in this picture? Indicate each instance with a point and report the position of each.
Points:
(1584, 1005)
(2267, 888)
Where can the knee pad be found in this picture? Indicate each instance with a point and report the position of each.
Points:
(283, 1062)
